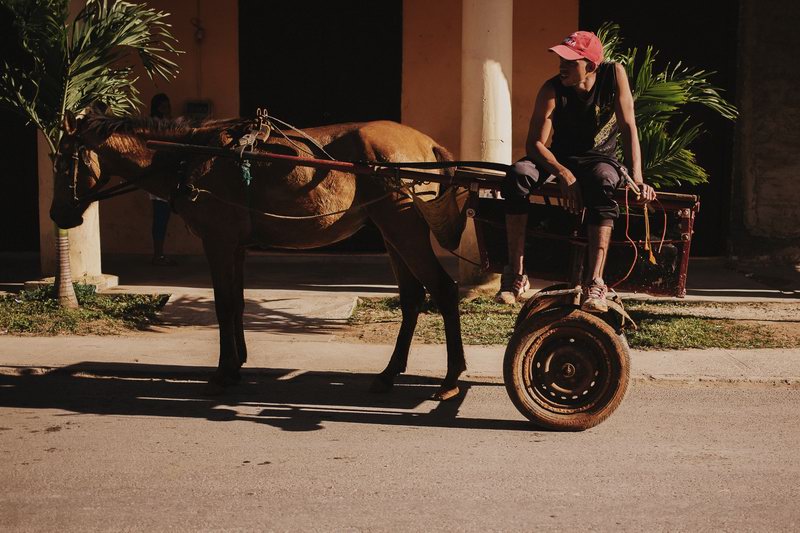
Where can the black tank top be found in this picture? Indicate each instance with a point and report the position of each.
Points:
(585, 129)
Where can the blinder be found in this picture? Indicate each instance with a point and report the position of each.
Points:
(79, 155)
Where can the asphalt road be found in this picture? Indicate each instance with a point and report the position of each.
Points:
(314, 452)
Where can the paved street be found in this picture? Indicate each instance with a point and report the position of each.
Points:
(125, 448)
(108, 433)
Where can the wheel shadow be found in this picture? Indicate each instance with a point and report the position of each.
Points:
(287, 399)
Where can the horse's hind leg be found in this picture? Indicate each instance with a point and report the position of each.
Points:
(403, 228)
(412, 297)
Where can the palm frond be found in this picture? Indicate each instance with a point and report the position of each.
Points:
(661, 96)
(609, 35)
(49, 66)
(667, 159)
(33, 66)
(102, 39)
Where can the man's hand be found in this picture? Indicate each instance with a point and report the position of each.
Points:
(648, 193)
(570, 192)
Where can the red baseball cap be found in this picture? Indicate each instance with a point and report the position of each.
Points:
(581, 45)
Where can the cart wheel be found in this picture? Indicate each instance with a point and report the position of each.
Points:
(566, 369)
(523, 313)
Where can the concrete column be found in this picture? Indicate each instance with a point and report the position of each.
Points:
(486, 134)
(84, 241)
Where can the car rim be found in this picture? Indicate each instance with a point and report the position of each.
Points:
(567, 370)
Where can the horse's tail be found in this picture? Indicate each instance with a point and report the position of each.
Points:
(443, 155)
(445, 215)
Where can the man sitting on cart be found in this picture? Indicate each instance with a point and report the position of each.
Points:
(584, 107)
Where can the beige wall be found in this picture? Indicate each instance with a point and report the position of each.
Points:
(538, 25)
(431, 94)
(431, 97)
(209, 70)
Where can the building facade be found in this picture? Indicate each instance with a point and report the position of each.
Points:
(413, 61)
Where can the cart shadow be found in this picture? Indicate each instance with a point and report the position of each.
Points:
(286, 399)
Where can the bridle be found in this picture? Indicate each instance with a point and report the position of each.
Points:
(97, 191)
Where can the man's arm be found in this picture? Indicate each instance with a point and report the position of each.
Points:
(626, 119)
(539, 130)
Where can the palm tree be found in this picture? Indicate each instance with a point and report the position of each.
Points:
(50, 66)
(665, 129)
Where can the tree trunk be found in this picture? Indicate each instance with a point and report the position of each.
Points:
(63, 281)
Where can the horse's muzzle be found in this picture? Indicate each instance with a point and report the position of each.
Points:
(66, 218)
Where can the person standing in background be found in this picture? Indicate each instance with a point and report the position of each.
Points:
(160, 108)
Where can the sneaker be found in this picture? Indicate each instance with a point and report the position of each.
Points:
(596, 297)
(162, 260)
(512, 286)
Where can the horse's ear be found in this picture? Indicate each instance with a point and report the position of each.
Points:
(98, 108)
(69, 122)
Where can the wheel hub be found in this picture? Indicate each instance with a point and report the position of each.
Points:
(568, 373)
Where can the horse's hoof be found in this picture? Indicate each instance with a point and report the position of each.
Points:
(213, 388)
(445, 393)
(226, 380)
(380, 385)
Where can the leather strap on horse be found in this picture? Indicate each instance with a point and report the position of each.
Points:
(197, 192)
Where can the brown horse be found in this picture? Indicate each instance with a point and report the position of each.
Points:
(229, 215)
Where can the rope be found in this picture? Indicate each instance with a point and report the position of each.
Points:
(627, 236)
(301, 132)
(471, 262)
(664, 232)
(647, 245)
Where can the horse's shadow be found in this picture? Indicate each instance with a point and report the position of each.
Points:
(286, 399)
(268, 315)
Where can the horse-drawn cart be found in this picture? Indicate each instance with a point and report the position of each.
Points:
(564, 368)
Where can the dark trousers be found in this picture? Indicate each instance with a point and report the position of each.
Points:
(161, 212)
(597, 181)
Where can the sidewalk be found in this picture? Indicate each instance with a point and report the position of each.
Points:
(296, 304)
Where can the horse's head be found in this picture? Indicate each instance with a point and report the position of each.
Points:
(76, 171)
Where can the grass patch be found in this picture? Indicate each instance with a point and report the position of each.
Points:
(482, 320)
(676, 332)
(665, 329)
(36, 312)
(660, 327)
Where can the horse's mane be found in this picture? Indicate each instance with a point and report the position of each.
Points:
(104, 126)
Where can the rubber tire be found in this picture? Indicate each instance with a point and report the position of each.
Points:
(530, 332)
(525, 308)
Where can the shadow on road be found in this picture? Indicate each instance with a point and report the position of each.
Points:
(270, 315)
(286, 399)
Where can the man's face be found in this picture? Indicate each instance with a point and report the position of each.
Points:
(571, 73)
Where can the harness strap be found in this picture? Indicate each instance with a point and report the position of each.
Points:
(290, 217)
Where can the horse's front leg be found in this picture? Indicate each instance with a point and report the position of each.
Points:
(222, 263)
(412, 296)
(238, 311)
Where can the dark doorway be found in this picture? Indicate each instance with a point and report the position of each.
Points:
(316, 63)
(20, 214)
(701, 35)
